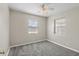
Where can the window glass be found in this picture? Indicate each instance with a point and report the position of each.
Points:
(32, 26)
(60, 26)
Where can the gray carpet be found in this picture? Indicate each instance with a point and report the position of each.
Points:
(43, 48)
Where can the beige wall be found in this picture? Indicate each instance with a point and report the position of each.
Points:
(4, 27)
(71, 37)
(19, 28)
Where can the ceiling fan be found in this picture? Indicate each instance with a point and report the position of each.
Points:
(45, 8)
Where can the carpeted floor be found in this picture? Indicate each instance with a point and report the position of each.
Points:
(44, 48)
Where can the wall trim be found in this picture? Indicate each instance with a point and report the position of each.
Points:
(27, 43)
(64, 46)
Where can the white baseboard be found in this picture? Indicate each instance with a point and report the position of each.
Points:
(26, 43)
(64, 46)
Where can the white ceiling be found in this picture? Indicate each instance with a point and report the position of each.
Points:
(35, 8)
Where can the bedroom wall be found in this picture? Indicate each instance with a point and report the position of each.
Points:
(4, 28)
(71, 37)
(19, 28)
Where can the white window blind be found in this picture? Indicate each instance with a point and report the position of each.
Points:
(60, 26)
(32, 26)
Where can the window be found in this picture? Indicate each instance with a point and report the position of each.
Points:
(59, 26)
(32, 26)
